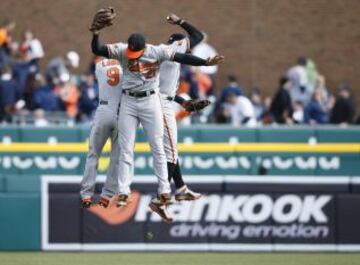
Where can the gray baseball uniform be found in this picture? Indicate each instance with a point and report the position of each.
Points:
(169, 80)
(104, 126)
(141, 75)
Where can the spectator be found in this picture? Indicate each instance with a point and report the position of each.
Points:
(8, 92)
(312, 75)
(298, 113)
(326, 99)
(240, 111)
(314, 111)
(44, 97)
(39, 118)
(22, 72)
(344, 109)
(204, 50)
(69, 95)
(232, 87)
(204, 84)
(299, 82)
(88, 97)
(59, 69)
(5, 39)
(31, 49)
(281, 106)
(257, 103)
(187, 78)
(30, 89)
(266, 117)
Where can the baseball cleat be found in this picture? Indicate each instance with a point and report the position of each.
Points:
(129, 198)
(161, 210)
(122, 200)
(86, 203)
(165, 198)
(104, 202)
(185, 194)
(169, 202)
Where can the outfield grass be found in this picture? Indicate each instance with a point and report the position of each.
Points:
(111, 258)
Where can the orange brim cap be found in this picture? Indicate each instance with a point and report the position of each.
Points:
(133, 54)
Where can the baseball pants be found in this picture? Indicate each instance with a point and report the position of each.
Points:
(170, 130)
(103, 128)
(147, 111)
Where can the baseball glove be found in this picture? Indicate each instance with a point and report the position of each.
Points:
(103, 18)
(195, 104)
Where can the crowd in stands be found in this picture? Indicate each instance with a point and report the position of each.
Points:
(57, 94)
(302, 97)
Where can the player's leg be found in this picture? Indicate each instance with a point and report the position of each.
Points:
(127, 126)
(110, 187)
(98, 136)
(151, 117)
(170, 138)
(170, 143)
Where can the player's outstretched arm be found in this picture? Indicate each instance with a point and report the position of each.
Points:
(98, 48)
(185, 58)
(195, 35)
(104, 17)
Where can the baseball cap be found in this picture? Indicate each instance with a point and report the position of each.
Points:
(136, 46)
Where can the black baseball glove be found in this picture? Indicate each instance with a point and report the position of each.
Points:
(195, 104)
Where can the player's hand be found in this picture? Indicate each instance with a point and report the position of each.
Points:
(215, 60)
(173, 19)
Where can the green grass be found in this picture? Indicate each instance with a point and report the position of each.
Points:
(112, 258)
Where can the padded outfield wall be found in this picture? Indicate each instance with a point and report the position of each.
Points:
(218, 161)
(204, 150)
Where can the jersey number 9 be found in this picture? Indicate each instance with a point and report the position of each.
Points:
(113, 75)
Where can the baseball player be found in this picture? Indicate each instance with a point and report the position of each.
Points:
(141, 103)
(169, 79)
(104, 126)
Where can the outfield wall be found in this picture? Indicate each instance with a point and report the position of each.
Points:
(27, 153)
(247, 213)
(204, 150)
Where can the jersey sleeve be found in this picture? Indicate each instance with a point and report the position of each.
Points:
(164, 53)
(180, 46)
(97, 66)
(116, 51)
(187, 44)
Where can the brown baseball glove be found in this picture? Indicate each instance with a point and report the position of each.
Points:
(195, 104)
(103, 18)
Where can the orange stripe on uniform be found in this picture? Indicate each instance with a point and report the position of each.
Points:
(168, 131)
(170, 139)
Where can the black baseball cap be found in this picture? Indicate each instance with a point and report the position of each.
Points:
(136, 46)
